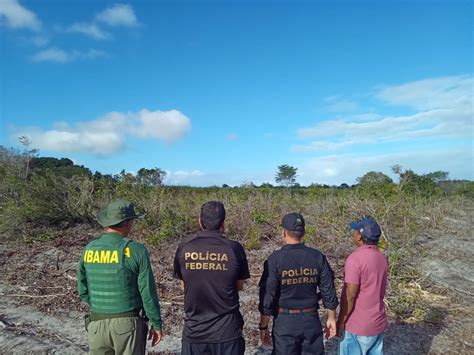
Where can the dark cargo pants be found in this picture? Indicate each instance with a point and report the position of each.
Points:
(295, 334)
(125, 335)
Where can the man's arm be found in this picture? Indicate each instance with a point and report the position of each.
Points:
(348, 296)
(240, 285)
(352, 276)
(269, 287)
(267, 301)
(82, 288)
(147, 288)
(326, 286)
(329, 297)
(244, 272)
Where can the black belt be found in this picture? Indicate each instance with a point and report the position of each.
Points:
(297, 310)
(102, 316)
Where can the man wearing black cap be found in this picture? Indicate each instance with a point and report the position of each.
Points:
(114, 277)
(212, 270)
(289, 292)
(362, 318)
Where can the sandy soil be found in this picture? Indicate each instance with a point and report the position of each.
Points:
(40, 312)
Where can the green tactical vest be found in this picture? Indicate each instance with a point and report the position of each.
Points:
(112, 286)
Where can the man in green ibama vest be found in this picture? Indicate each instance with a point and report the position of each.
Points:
(115, 279)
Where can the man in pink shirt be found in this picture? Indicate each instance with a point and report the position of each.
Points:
(362, 318)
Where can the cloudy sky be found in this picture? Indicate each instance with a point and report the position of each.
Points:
(220, 92)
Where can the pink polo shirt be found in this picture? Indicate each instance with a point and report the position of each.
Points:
(367, 266)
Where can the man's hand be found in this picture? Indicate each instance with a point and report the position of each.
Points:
(340, 327)
(265, 337)
(155, 336)
(331, 328)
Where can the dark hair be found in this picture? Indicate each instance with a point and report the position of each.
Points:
(120, 225)
(212, 215)
(295, 234)
(369, 241)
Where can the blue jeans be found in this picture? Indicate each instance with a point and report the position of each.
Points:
(353, 344)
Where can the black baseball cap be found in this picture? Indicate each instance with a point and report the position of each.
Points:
(368, 228)
(293, 222)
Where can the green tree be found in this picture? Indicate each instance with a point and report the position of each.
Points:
(28, 154)
(438, 176)
(286, 175)
(376, 184)
(248, 185)
(150, 177)
(62, 167)
(374, 178)
(417, 184)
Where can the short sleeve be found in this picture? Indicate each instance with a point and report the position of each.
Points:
(176, 265)
(244, 272)
(352, 271)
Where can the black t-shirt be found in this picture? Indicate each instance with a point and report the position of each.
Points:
(210, 266)
(291, 278)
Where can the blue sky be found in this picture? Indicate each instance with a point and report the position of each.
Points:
(220, 92)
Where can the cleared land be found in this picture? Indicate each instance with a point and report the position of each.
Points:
(40, 312)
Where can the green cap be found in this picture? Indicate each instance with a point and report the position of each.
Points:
(116, 212)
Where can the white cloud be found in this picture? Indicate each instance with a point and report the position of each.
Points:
(340, 168)
(39, 41)
(437, 93)
(321, 145)
(88, 29)
(336, 104)
(51, 55)
(118, 15)
(369, 116)
(98, 143)
(184, 177)
(15, 16)
(444, 111)
(188, 173)
(114, 16)
(232, 137)
(107, 135)
(58, 55)
(168, 126)
(232, 178)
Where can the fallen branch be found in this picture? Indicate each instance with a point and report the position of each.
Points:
(36, 296)
(66, 269)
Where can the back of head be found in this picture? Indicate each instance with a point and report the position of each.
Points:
(212, 215)
(294, 225)
(369, 229)
(117, 213)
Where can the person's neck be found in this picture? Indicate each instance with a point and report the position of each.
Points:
(293, 241)
(362, 244)
(115, 231)
(220, 230)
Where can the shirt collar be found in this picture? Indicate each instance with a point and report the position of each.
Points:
(208, 233)
(293, 246)
(367, 246)
(111, 236)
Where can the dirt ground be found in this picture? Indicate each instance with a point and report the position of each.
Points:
(41, 314)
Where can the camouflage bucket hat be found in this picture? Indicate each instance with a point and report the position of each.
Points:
(116, 212)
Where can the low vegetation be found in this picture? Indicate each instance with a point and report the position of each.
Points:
(39, 197)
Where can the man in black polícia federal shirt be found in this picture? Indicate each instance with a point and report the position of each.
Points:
(212, 270)
(289, 287)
